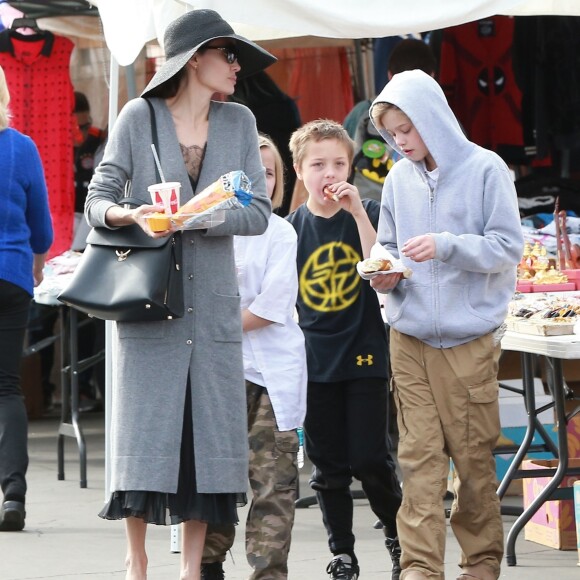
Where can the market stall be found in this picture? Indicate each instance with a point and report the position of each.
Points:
(262, 20)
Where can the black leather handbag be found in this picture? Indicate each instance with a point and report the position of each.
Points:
(126, 275)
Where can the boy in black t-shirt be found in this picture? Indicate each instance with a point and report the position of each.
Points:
(346, 413)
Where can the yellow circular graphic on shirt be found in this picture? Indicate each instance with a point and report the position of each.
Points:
(329, 281)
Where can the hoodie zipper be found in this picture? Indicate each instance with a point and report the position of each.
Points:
(433, 265)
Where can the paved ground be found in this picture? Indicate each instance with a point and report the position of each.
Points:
(64, 538)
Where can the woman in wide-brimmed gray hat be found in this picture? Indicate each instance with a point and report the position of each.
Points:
(178, 436)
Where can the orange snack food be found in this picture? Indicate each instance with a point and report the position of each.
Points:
(158, 222)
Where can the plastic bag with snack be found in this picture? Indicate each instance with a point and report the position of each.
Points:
(232, 190)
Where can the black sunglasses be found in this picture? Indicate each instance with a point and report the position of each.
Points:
(231, 54)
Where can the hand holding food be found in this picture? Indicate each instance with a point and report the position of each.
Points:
(384, 284)
(230, 191)
(382, 264)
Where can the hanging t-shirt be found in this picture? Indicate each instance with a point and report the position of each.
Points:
(42, 103)
(338, 311)
(477, 78)
(546, 50)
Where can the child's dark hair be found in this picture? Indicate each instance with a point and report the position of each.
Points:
(411, 54)
(319, 130)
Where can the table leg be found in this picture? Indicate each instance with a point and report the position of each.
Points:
(65, 386)
(70, 426)
(559, 404)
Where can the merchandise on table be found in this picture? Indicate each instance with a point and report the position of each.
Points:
(547, 315)
(537, 272)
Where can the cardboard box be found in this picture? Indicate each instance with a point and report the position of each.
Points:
(510, 366)
(553, 524)
(577, 513)
(574, 437)
(573, 427)
(570, 370)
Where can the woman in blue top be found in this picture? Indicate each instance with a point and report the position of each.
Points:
(25, 237)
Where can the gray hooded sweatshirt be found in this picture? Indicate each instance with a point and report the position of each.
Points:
(471, 212)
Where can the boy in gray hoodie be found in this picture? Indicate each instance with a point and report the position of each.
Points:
(449, 211)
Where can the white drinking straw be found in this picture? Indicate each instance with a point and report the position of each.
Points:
(157, 162)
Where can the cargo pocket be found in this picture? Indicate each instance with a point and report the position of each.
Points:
(483, 414)
(286, 447)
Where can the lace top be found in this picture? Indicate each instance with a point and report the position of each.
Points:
(193, 159)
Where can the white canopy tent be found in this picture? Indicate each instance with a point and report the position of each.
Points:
(130, 24)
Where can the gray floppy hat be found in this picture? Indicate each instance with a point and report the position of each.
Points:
(186, 35)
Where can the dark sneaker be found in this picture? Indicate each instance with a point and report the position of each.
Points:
(342, 568)
(213, 571)
(12, 516)
(395, 551)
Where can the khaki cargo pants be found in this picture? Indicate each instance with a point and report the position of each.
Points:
(273, 479)
(447, 402)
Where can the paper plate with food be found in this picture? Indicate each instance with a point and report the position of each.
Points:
(381, 262)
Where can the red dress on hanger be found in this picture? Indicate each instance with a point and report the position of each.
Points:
(42, 103)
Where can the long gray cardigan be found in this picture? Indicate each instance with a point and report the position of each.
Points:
(155, 358)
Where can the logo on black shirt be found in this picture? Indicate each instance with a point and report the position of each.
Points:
(329, 281)
(368, 360)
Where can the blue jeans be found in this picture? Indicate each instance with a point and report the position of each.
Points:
(14, 311)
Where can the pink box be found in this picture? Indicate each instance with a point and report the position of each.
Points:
(562, 287)
(572, 274)
(577, 511)
(554, 523)
(524, 287)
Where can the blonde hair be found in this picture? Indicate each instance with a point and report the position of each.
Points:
(278, 194)
(380, 109)
(4, 100)
(319, 130)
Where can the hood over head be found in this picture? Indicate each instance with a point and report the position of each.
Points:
(421, 98)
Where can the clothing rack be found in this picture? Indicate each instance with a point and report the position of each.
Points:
(35, 9)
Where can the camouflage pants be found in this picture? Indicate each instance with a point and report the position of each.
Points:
(273, 479)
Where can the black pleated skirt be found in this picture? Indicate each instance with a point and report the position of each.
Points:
(187, 504)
